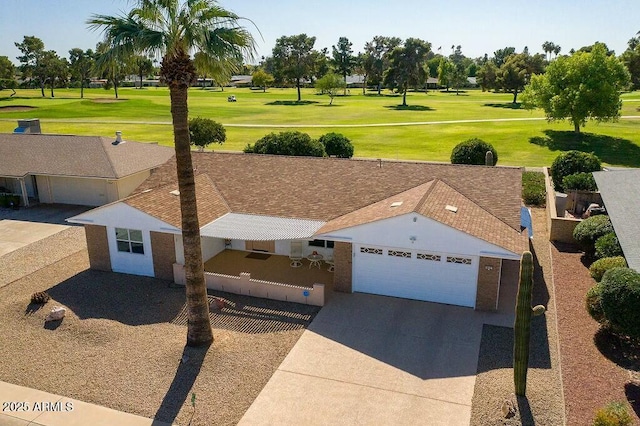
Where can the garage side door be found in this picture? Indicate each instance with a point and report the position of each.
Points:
(86, 192)
(414, 274)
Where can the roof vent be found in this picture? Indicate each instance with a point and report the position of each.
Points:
(452, 209)
(118, 140)
(396, 204)
(175, 192)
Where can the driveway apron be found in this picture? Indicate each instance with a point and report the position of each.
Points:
(369, 359)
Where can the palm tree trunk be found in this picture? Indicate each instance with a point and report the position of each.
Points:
(199, 328)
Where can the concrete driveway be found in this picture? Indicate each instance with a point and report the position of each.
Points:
(369, 359)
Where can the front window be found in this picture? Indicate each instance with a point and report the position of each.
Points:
(129, 240)
(321, 243)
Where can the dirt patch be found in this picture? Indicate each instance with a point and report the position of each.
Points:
(121, 344)
(107, 101)
(16, 108)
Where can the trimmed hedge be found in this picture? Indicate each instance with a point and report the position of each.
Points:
(572, 162)
(608, 246)
(620, 300)
(204, 131)
(473, 151)
(336, 144)
(533, 189)
(593, 303)
(287, 143)
(589, 230)
(580, 182)
(600, 266)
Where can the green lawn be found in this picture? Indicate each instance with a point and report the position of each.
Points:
(524, 141)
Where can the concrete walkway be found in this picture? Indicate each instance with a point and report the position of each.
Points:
(370, 359)
(25, 406)
(15, 234)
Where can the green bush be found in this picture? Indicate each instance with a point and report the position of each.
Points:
(608, 246)
(473, 151)
(287, 143)
(614, 414)
(533, 188)
(572, 162)
(593, 303)
(204, 131)
(580, 182)
(589, 230)
(337, 145)
(620, 299)
(600, 266)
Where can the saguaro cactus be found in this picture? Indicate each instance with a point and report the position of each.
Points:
(522, 327)
(488, 158)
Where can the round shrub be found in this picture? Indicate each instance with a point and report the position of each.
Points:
(337, 144)
(473, 151)
(580, 182)
(204, 131)
(589, 230)
(593, 303)
(287, 143)
(572, 162)
(614, 414)
(600, 266)
(608, 246)
(620, 300)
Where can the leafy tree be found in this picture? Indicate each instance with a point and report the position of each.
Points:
(287, 143)
(32, 49)
(321, 63)
(458, 77)
(294, 57)
(174, 29)
(204, 131)
(51, 68)
(361, 68)
(580, 87)
(81, 65)
(336, 144)
(111, 63)
(631, 59)
(7, 69)
(445, 71)
(487, 76)
(500, 56)
(572, 162)
(378, 51)
(330, 84)
(343, 60)
(261, 78)
(406, 66)
(516, 72)
(142, 65)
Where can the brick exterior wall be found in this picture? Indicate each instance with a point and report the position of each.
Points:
(488, 282)
(98, 247)
(343, 261)
(164, 255)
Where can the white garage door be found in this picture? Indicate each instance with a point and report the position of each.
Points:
(86, 192)
(419, 275)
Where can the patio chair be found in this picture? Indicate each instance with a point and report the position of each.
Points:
(329, 261)
(296, 254)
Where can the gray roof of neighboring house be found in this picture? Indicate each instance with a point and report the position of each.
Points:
(78, 156)
(620, 190)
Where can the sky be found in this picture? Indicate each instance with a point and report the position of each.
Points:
(478, 26)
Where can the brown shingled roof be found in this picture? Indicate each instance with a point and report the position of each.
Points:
(327, 188)
(81, 156)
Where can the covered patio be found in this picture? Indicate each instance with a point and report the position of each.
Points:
(269, 267)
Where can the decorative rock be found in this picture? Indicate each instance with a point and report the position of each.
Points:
(509, 407)
(56, 314)
(216, 304)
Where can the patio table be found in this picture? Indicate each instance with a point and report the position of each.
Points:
(315, 260)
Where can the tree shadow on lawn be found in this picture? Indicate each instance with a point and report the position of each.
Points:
(632, 391)
(129, 299)
(329, 106)
(384, 95)
(508, 105)
(609, 149)
(620, 350)
(291, 103)
(409, 108)
(180, 388)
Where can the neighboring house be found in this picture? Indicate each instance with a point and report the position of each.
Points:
(619, 189)
(436, 232)
(83, 170)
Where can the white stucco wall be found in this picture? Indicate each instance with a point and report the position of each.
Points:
(429, 235)
(126, 185)
(210, 248)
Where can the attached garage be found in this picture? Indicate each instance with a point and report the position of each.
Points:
(416, 274)
(88, 192)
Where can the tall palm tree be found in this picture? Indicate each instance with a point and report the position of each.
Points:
(174, 29)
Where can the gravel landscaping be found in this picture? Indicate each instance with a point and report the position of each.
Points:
(543, 404)
(594, 372)
(121, 344)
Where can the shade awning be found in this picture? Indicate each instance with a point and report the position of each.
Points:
(236, 226)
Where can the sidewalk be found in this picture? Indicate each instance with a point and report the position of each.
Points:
(24, 406)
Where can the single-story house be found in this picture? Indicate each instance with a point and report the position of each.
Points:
(83, 170)
(436, 232)
(620, 191)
